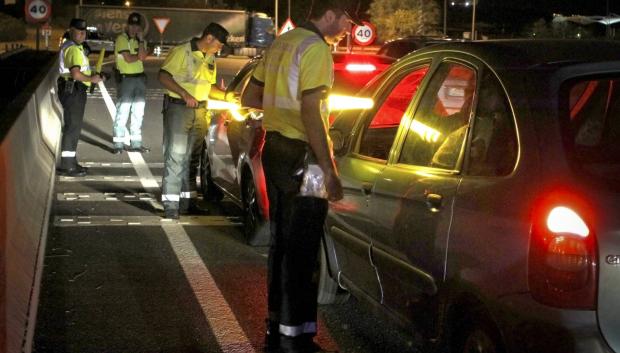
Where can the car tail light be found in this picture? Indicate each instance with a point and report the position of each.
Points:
(353, 67)
(563, 258)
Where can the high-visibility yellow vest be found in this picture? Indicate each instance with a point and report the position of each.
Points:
(298, 61)
(71, 55)
(191, 69)
(131, 45)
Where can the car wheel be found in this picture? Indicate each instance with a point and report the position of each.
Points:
(210, 191)
(255, 228)
(329, 292)
(478, 336)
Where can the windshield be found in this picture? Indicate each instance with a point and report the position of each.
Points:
(592, 130)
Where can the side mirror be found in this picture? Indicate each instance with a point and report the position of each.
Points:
(338, 140)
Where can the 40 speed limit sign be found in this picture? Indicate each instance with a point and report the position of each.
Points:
(37, 11)
(365, 34)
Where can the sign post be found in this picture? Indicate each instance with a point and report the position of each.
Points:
(37, 11)
(161, 23)
(46, 31)
(365, 34)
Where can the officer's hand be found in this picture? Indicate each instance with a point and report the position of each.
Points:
(333, 186)
(95, 79)
(190, 101)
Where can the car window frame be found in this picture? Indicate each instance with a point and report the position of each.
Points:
(466, 158)
(389, 78)
(397, 149)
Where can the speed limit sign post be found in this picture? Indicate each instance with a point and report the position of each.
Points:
(37, 11)
(364, 34)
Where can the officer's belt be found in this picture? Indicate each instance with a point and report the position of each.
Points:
(173, 100)
(133, 75)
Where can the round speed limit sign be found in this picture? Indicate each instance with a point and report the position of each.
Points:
(365, 34)
(37, 10)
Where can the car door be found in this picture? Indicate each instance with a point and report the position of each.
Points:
(411, 198)
(350, 224)
(226, 137)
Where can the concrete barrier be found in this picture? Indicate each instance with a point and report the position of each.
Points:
(30, 130)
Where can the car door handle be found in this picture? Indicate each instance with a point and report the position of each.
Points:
(366, 188)
(434, 201)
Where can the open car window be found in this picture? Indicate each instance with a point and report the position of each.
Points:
(439, 127)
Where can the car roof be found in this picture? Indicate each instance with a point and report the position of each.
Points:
(526, 54)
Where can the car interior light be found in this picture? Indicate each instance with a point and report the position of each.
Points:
(338, 102)
(426, 132)
(564, 220)
(360, 67)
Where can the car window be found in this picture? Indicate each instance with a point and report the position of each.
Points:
(381, 130)
(439, 127)
(493, 148)
(241, 79)
(593, 127)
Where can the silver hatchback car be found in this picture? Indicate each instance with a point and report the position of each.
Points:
(482, 194)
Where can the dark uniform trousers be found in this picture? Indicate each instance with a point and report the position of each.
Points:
(296, 228)
(73, 103)
(183, 126)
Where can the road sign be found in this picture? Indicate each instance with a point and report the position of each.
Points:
(161, 23)
(37, 11)
(365, 34)
(287, 26)
(46, 30)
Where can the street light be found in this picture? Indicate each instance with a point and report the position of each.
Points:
(127, 3)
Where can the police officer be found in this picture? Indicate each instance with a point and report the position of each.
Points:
(75, 78)
(291, 84)
(130, 52)
(188, 74)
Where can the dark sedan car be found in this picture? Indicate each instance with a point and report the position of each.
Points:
(481, 197)
(400, 47)
(231, 155)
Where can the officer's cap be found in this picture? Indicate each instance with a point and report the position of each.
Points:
(217, 31)
(78, 23)
(134, 19)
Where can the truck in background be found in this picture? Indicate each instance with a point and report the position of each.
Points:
(250, 33)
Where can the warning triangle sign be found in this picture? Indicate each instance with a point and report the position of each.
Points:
(287, 26)
(161, 23)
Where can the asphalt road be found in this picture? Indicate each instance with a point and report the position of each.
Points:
(119, 279)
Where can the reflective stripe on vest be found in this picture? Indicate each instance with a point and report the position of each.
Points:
(62, 69)
(293, 331)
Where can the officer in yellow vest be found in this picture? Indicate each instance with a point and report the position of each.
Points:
(75, 78)
(130, 52)
(291, 85)
(189, 75)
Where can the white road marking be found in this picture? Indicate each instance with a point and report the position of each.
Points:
(225, 326)
(226, 329)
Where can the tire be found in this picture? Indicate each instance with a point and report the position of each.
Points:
(255, 228)
(478, 336)
(329, 292)
(209, 190)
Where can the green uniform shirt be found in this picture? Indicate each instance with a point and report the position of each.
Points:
(74, 56)
(191, 69)
(124, 44)
(298, 62)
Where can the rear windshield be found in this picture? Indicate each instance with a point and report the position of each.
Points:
(592, 131)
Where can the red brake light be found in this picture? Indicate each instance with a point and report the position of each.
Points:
(353, 67)
(563, 258)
